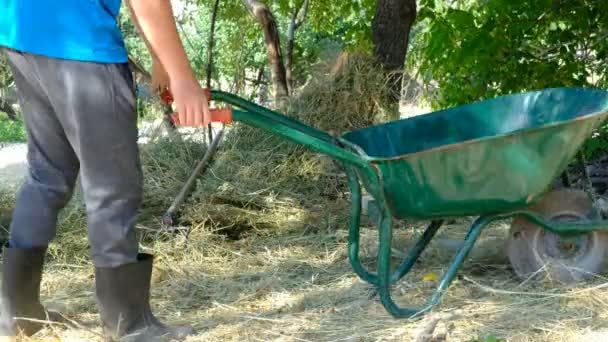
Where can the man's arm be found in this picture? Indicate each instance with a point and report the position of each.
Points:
(159, 77)
(155, 21)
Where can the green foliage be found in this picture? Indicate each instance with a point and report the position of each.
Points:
(239, 51)
(348, 21)
(11, 131)
(6, 77)
(480, 49)
(597, 144)
(489, 338)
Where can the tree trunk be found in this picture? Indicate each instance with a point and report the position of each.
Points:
(293, 26)
(289, 56)
(273, 46)
(8, 109)
(211, 41)
(257, 82)
(262, 87)
(391, 27)
(8, 97)
(210, 59)
(138, 69)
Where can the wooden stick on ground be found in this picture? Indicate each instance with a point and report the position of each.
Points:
(426, 332)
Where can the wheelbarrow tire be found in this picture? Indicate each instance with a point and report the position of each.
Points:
(537, 254)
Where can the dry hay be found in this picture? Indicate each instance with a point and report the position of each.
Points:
(348, 94)
(263, 257)
(297, 286)
(259, 180)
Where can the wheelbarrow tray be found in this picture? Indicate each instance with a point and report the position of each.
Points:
(487, 157)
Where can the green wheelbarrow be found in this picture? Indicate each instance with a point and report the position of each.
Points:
(494, 160)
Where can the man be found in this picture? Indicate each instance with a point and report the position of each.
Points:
(78, 104)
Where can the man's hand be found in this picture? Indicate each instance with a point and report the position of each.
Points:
(191, 103)
(154, 19)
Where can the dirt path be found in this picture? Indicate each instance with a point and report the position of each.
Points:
(13, 165)
(13, 156)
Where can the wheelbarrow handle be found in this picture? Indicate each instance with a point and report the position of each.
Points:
(254, 115)
(222, 115)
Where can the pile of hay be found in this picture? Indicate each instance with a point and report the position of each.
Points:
(258, 180)
(348, 94)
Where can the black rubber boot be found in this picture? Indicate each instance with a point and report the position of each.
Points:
(20, 295)
(123, 295)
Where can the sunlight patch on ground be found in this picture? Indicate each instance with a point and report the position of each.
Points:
(13, 165)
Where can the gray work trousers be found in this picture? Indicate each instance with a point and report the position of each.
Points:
(80, 118)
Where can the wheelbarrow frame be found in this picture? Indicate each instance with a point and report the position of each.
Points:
(360, 169)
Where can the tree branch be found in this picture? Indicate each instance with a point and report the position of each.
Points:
(6, 107)
(137, 68)
(297, 19)
(302, 14)
(211, 43)
(265, 18)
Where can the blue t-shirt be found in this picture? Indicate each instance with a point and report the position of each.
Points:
(84, 30)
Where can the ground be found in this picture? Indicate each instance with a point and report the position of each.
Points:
(299, 287)
(295, 284)
(285, 276)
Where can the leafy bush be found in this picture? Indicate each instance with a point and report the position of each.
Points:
(473, 50)
(11, 131)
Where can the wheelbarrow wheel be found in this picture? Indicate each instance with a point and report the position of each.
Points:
(536, 253)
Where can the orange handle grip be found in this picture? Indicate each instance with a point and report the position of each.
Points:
(223, 115)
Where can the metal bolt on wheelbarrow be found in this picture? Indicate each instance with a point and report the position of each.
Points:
(494, 160)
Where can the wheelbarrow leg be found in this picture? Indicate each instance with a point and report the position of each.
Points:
(384, 274)
(463, 252)
(354, 232)
(354, 239)
(414, 254)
